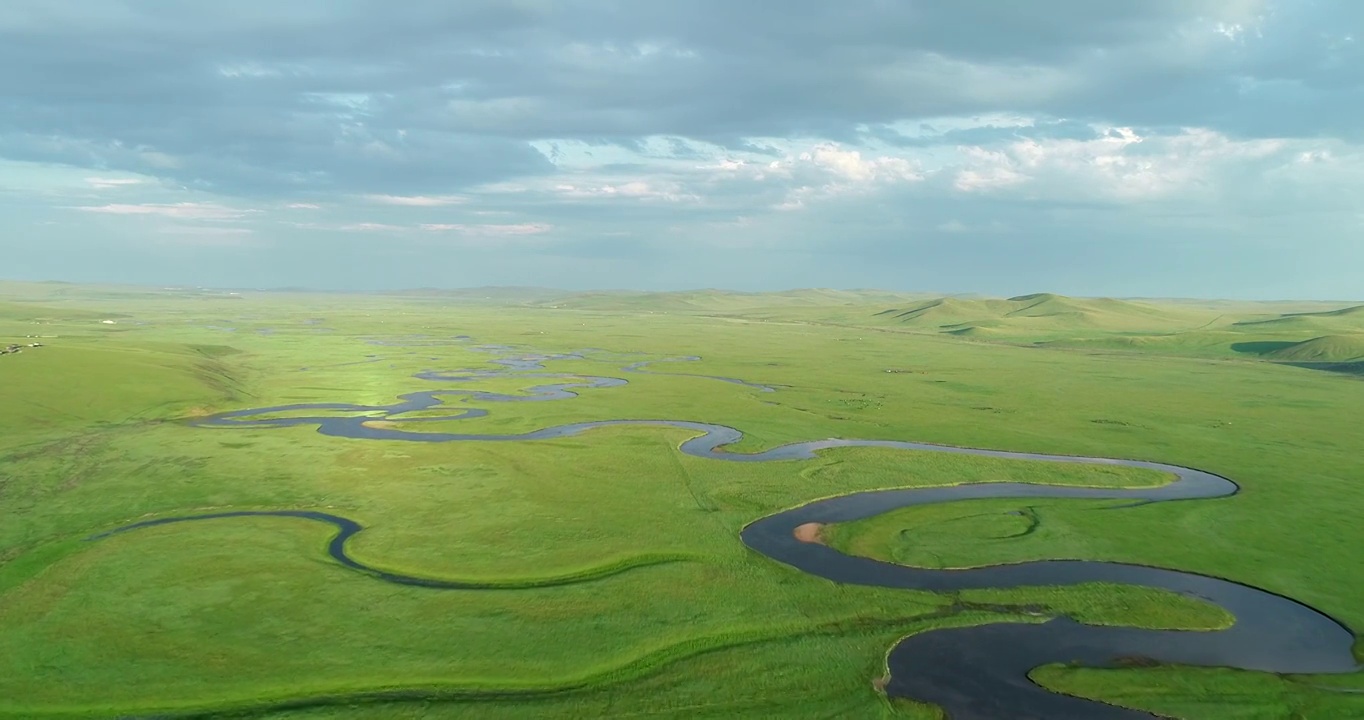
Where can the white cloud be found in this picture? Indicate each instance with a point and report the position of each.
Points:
(957, 227)
(476, 229)
(417, 200)
(795, 199)
(640, 189)
(851, 166)
(829, 170)
(490, 229)
(368, 227)
(205, 231)
(107, 183)
(182, 211)
(1120, 164)
(303, 206)
(814, 170)
(1231, 31)
(935, 127)
(256, 70)
(987, 170)
(344, 227)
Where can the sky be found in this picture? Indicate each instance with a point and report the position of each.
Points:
(1163, 148)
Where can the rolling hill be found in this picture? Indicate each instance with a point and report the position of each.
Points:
(1344, 320)
(1042, 313)
(719, 301)
(1327, 348)
(24, 312)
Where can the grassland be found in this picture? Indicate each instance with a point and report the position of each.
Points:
(251, 614)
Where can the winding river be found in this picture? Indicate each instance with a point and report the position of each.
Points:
(347, 529)
(974, 673)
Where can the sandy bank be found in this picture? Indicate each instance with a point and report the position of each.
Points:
(809, 532)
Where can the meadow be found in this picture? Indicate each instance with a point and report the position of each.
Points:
(249, 616)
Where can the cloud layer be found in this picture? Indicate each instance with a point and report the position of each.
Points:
(1185, 147)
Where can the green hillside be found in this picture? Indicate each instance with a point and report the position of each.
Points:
(75, 385)
(1343, 320)
(1354, 311)
(491, 295)
(720, 301)
(24, 312)
(1327, 348)
(1042, 312)
(946, 312)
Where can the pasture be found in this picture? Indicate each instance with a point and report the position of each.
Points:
(666, 613)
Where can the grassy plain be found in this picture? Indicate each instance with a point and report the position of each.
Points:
(250, 614)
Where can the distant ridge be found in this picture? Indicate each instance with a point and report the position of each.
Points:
(713, 300)
(1326, 322)
(494, 293)
(25, 312)
(1327, 348)
(1037, 311)
(1357, 310)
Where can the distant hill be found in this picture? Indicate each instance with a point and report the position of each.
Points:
(1040, 312)
(719, 301)
(634, 301)
(976, 332)
(681, 301)
(1348, 319)
(1327, 348)
(1355, 311)
(24, 312)
(497, 294)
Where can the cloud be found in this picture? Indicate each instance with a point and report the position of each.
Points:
(203, 230)
(182, 210)
(417, 200)
(1117, 164)
(821, 171)
(489, 229)
(616, 137)
(367, 227)
(957, 227)
(666, 191)
(985, 169)
(424, 99)
(849, 165)
(484, 229)
(107, 183)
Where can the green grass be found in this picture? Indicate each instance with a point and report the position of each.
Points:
(115, 385)
(244, 613)
(1328, 348)
(1201, 692)
(38, 315)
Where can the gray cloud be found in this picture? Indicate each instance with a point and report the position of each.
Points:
(842, 136)
(359, 94)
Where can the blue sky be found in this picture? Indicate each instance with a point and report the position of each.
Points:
(1206, 148)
